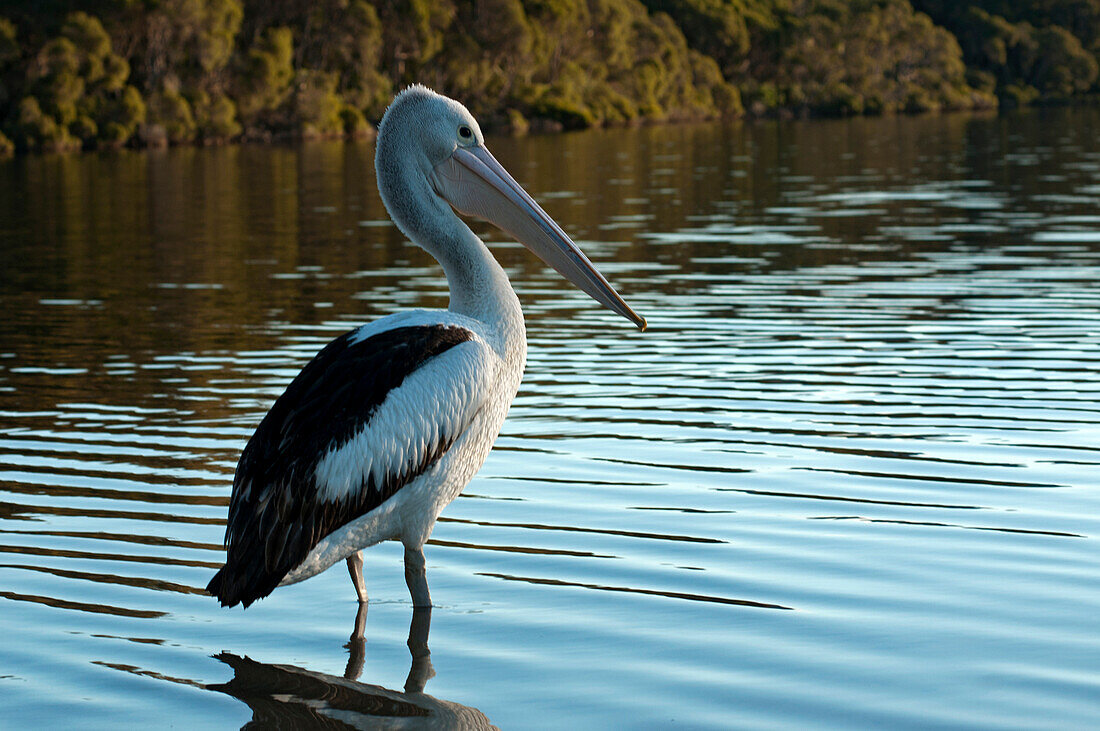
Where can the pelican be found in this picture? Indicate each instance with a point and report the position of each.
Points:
(390, 421)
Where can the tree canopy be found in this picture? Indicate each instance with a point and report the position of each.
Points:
(81, 74)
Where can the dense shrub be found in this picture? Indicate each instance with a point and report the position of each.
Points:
(181, 71)
(1038, 50)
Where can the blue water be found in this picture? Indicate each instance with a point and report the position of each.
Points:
(849, 476)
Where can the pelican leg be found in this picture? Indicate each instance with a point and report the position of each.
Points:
(416, 576)
(355, 568)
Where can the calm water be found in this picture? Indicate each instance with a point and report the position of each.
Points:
(851, 474)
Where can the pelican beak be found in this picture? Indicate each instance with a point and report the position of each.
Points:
(476, 184)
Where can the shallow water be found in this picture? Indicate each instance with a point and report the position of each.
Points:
(851, 474)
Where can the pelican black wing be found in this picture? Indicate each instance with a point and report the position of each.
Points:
(275, 513)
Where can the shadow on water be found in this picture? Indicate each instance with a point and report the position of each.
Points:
(286, 696)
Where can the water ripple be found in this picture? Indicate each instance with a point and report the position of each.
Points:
(869, 395)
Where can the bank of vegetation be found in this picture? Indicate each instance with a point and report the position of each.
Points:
(82, 74)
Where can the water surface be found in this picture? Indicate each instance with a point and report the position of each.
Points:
(850, 475)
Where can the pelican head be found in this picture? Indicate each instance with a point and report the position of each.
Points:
(427, 137)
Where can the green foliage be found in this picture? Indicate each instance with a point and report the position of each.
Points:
(119, 115)
(170, 118)
(426, 22)
(9, 44)
(624, 64)
(265, 75)
(9, 75)
(1035, 51)
(1062, 66)
(77, 93)
(34, 129)
(91, 40)
(1019, 95)
(178, 71)
(872, 56)
(183, 43)
(55, 81)
(215, 117)
(716, 28)
(84, 128)
(7, 147)
(316, 108)
(516, 123)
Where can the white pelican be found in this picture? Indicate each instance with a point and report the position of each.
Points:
(387, 424)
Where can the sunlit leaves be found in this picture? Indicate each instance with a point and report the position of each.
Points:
(178, 71)
(863, 57)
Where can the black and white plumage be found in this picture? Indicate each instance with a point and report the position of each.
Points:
(275, 512)
(387, 424)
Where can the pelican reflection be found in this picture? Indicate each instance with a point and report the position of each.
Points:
(285, 696)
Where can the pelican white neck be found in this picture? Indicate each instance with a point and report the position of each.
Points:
(479, 288)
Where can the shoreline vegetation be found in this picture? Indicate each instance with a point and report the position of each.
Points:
(78, 74)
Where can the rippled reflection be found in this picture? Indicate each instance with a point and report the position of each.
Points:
(868, 398)
(285, 696)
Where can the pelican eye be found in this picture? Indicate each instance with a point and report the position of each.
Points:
(465, 132)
